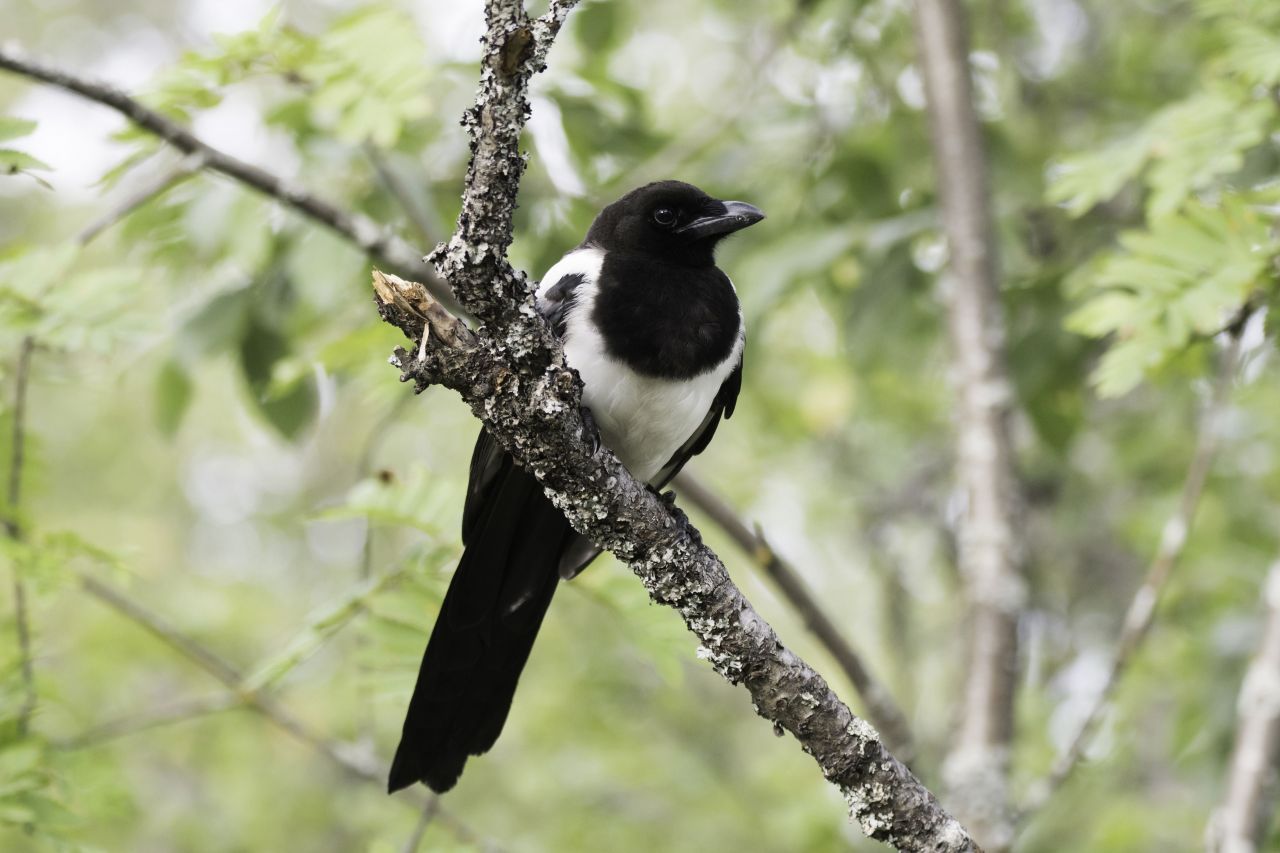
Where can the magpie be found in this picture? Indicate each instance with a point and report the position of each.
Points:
(655, 331)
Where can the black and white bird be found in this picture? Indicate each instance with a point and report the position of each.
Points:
(654, 329)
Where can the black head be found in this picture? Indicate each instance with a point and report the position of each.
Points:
(670, 219)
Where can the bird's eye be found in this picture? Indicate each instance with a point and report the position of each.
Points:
(664, 216)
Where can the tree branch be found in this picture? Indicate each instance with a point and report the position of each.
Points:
(990, 554)
(158, 185)
(881, 709)
(152, 718)
(429, 811)
(377, 242)
(536, 417)
(1142, 608)
(513, 376)
(1240, 824)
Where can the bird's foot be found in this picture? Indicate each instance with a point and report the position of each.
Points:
(590, 432)
(668, 498)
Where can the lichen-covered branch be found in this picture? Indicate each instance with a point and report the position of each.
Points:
(882, 710)
(512, 374)
(990, 554)
(535, 415)
(1241, 823)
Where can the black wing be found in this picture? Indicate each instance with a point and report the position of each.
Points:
(721, 407)
(515, 541)
(554, 304)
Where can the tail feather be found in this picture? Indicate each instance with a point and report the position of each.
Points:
(484, 633)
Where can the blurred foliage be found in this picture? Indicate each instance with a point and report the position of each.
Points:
(13, 161)
(1210, 240)
(211, 425)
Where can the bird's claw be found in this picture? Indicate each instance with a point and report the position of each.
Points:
(668, 499)
(590, 430)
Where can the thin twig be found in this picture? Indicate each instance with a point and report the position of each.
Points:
(379, 243)
(361, 766)
(350, 759)
(1142, 608)
(990, 553)
(881, 708)
(1240, 824)
(152, 718)
(17, 459)
(14, 529)
(158, 185)
(429, 811)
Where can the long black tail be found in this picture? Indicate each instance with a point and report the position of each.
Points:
(485, 630)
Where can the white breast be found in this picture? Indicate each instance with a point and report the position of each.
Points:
(644, 420)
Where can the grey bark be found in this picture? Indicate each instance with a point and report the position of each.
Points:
(990, 554)
(1240, 824)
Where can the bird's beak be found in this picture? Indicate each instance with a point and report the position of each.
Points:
(736, 216)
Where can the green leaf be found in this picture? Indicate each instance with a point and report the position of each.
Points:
(219, 324)
(173, 395)
(415, 499)
(14, 128)
(1182, 148)
(22, 757)
(1184, 276)
(1253, 54)
(17, 813)
(322, 625)
(1084, 180)
(1201, 138)
(370, 100)
(289, 405)
(1103, 314)
(1124, 365)
(12, 161)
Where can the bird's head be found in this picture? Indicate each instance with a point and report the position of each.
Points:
(672, 220)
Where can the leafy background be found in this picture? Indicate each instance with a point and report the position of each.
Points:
(212, 429)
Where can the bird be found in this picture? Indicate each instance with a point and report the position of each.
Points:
(655, 331)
